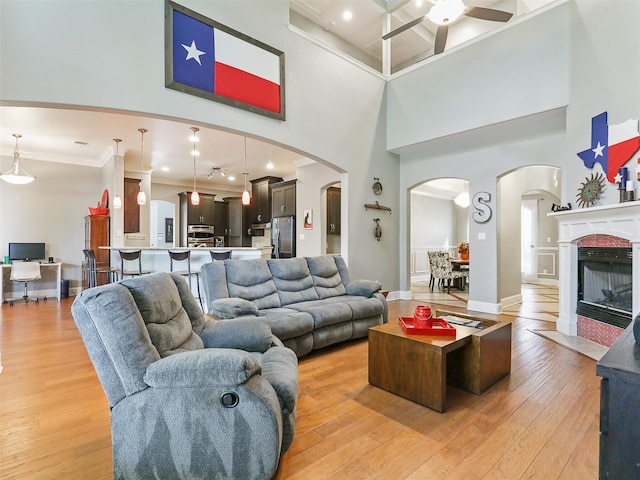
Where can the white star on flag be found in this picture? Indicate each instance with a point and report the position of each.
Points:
(618, 178)
(598, 150)
(193, 52)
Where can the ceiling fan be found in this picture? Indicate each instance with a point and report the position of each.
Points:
(445, 12)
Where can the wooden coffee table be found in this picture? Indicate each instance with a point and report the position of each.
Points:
(419, 367)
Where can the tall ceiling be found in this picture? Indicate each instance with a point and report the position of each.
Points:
(83, 137)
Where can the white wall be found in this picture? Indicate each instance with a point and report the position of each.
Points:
(105, 54)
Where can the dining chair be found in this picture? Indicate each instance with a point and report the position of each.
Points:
(442, 268)
(93, 271)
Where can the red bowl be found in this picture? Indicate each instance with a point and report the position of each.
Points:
(98, 211)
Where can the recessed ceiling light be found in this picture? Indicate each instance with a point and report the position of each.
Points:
(231, 178)
(270, 166)
(347, 15)
(165, 169)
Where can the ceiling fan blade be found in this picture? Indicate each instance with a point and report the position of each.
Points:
(404, 27)
(489, 14)
(441, 39)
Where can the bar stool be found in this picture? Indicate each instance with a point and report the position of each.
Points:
(185, 256)
(131, 256)
(220, 255)
(93, 271)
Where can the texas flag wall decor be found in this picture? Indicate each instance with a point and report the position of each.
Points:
(611, 145)
(211, 60)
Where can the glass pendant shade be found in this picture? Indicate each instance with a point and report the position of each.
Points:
(15, 174)
(195, 198)
(142, 198)
(117, 202)
(246, 198)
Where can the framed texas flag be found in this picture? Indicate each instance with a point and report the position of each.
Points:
(211, 60)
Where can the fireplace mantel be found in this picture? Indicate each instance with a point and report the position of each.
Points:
(618, 220)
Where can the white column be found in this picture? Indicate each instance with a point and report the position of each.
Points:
(568, 289)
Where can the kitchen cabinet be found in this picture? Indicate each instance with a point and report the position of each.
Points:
(239, 222)
(333, 210)
(619, 396)
(261, 199)
(283, 199)
(96, 234)
(220, 218)
(202, 214)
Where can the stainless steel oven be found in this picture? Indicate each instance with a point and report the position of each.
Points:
(200, 236)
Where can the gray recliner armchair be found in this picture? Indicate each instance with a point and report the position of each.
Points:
(189, 398)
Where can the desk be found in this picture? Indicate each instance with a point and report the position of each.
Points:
(6, 269)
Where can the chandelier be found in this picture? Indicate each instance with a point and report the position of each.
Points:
(15, 174)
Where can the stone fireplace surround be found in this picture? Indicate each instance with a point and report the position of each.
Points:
(589, 226)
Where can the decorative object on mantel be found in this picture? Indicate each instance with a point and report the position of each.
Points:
(378, 230)
(142, 198)
(590, 190)
(611, 145)
(103, 205)
(15, 174)
(377, 206)
(377, 186)
(463, 250)
(560, 208)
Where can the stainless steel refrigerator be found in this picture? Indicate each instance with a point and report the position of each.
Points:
(283, 237)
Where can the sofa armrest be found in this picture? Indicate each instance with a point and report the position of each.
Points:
(225, 308)
(208, 367)
(280, 369)
(364, 288)
(248, 334)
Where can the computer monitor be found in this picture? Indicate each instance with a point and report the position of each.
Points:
(26, 251)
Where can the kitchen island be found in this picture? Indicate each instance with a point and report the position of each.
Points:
(156, 259)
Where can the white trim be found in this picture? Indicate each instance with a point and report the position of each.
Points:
(512, 300)
(484, 307)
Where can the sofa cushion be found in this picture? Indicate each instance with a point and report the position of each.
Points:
(287, 323)
(293, 280)
(325, 312)
(326, 278)
(363, 307)
(252, 280)
(161, 309)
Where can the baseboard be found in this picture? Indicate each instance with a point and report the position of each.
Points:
(512, 300)
(484, 307)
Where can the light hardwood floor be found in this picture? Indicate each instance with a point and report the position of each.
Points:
(541, 422)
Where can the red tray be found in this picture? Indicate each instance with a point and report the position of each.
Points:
(439, 326)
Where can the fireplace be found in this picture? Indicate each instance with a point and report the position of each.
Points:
(605, 284)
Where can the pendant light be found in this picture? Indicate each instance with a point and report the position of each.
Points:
(117, 201)
(142, 198)
(195, 196)
(246, 198)
(15, 174)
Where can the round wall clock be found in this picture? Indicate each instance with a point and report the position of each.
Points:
(590, 190)
(377, 186)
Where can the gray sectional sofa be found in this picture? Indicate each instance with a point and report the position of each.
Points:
(311, 302)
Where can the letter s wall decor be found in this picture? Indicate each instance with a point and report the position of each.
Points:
(483, 210)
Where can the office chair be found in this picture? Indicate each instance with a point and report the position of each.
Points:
(131, 256)
(24, 272)
(219, 255)
(93, 271)
(185, 256)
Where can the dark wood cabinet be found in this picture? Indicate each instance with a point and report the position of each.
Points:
(97, 234)
(202, 214)
(333, 210)
(261, 199)
(131, 207)
(283, 199)
(619, 395)
(238, 224)
(220, 218)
